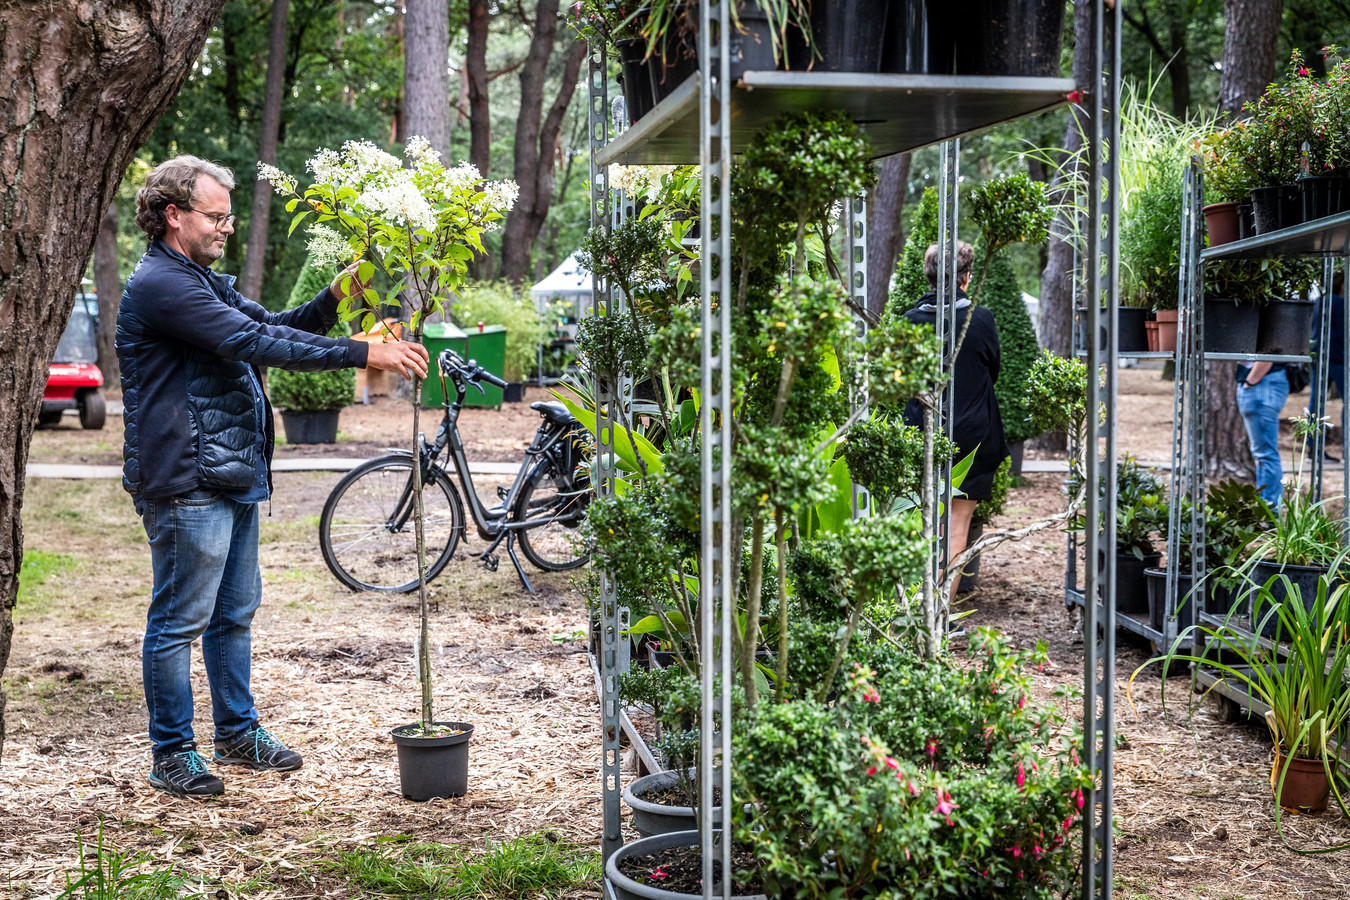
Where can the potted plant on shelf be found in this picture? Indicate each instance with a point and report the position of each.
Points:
(1141, 511)
(1228, 183)
(421, 224)
(1272, 147)
(1303, 685)
(310, 402)
(1150, 236)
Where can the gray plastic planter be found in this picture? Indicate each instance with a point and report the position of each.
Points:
(626, 888)
(658, 818)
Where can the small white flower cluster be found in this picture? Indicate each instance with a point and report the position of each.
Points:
(419, 150)
(459, 179)
(636, 181)
(283, 184)
(367, 159)
(500, 195)
(326, 167)
(327, 248)
(399, 199)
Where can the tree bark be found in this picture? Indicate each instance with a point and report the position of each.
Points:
(475, 70)
(885, 229)
(250, 283)
(1251, 31)
(84, 85)
(108, 284)
(537, 142)
(426, 75)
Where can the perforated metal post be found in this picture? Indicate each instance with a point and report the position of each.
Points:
(717, 606)
(1321, 368)
(1099, 610)
(949, 208)
(855, 223)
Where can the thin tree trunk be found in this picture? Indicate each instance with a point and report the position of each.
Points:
(426, 77)
(1251, 32)
(885, 229)
(254, 261)
(84, 86)
(108, 284)
(475, 70)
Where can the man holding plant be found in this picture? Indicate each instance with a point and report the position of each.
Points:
(197, 458)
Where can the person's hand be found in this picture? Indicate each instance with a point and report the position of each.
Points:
(347, 284)
(403, 357)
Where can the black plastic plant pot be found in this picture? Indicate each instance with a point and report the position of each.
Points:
(626, 888)
(1230, 326)
(752, 46)
(1324, 195)
(1131, 335)
(1277, 207)
(848, 37)
(1285, 327)
(651, 818)
(317, 427)
(514, 392)
(1246, 220)
(1131, 585)
(1305, 578)
(919, 38)
(636, 78)
(1157, 600)
(1011, 38)
(433, 766)
(674, 60)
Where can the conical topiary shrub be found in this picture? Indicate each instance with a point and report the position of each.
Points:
(306, 392)
(910, 281)
(1001, 294)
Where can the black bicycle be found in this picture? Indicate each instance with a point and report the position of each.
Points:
(367, 532)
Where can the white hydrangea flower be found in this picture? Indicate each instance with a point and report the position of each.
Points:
(500, 195)
(365, 158)
(460, 178)
(398, 199)
(283, 183)
(326, 166)
(327, 248)
(419, 150)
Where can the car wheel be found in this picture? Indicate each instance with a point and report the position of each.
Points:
(93, 412)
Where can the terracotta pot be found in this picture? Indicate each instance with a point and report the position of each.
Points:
(1151, 330)
(1306, 786)
(1167, 330)
(1221, 221)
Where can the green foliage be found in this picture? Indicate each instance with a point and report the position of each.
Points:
(922, 780)
(1011, 210)
(1000, 293)
(910, 282)
(499, 303)
(1057, 393)
(1234, 515)
(987, 510)
(1259, 281)
(1228, 178)
(116, 875)
(527, 866)
(312, 391)
(1141, 506)
(885, 456)
(37, 568)
(903, 359)
(1150, 234)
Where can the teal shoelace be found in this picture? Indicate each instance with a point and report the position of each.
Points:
(192, 759)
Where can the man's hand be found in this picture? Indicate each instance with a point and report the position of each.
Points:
(399, 356)
(346, 284)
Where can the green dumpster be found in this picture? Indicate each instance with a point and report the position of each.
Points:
(436, 337)
(486, 345)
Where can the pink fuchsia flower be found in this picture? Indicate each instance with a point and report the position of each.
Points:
(1303, 71)
(1021, 776)
(932, 746)
(912, 788)
(892, 764)
(871, 771)
(1016, 852)
(1036, 850)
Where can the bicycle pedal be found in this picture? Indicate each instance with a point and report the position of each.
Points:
(502, 492)
(490, 563)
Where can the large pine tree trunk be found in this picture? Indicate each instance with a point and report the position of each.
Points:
(108, 283)
(426, 73)
(885, 229)
(537, 140)
(250, 284)
(1251, 31)
(84, 85)
(475, 70)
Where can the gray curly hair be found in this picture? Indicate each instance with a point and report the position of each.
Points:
(174, 182)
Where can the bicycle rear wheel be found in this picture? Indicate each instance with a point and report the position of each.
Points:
(367, 532)
(559, 502)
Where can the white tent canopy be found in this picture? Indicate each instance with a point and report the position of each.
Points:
(568, 286)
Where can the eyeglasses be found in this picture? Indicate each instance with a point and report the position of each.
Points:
(219, 220)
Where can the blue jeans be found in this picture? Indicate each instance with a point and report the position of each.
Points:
(1261, 406)
(204, 552)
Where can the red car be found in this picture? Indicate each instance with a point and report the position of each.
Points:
(74, 380)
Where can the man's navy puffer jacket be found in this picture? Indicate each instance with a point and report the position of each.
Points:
(185, 342)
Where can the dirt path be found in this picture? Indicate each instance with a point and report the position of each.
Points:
(333, 672)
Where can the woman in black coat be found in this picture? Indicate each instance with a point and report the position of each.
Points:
(977, 425)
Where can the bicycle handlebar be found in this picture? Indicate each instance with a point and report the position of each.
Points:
(453, 364)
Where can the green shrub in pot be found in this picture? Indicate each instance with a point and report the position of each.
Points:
(312, 391)
(1228, 177)
(498, 303)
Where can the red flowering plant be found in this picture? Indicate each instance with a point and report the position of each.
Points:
(1288, 116)
(920, 779)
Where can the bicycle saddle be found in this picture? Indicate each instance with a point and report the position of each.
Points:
(554, 411)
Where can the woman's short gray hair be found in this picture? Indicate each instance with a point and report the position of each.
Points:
(174, 181)
(965, 261)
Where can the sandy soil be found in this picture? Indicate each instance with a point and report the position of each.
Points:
(333, 673)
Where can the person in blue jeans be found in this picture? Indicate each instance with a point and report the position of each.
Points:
(1262, 389)
(197, 459)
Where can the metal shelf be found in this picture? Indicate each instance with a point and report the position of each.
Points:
(897, 112)
(1259, 357)
(1321, 237)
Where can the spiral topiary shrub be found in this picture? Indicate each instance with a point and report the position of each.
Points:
(312, 391)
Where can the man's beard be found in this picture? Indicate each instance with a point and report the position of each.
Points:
(207, 251)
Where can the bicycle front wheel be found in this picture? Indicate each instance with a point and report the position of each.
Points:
(559, 504)
(367, 532)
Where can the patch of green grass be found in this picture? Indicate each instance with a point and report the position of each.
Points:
(39, 566)
(523, 867)
(111, 874)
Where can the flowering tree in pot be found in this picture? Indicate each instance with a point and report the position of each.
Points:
(420, 224)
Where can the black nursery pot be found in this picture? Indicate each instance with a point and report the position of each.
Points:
(919, 38)
(636, 78)
(1011, 38)
(1277, 207)
(1230, 326)
(1305, 578)
(1285, 327)
(1157, 600)
(431, 767)
(848, 37)
(1131, 334)
(318, 426)
(1324, 195)
(1131, 583)
(752, 47)
(680, 62)
(1246, 220)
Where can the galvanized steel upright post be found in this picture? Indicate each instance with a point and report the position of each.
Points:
(716, 602)
(1099, 608)
(855, 220)
(949, 208)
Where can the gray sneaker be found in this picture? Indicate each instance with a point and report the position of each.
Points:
(258, 748)
(183, 773)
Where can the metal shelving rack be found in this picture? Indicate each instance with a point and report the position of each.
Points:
(702, 121)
